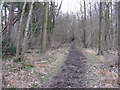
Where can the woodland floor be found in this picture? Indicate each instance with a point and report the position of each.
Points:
(72, 74)
(66, 67)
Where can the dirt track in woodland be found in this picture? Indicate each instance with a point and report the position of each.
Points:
(72, 73)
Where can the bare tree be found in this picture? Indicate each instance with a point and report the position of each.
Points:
(116, 25)
(59, 8)
(119, 32)
(111, 26)
(100, 52)
(10, 19)
(55, 15)
(5, 12)
(1, 5)
(91, 23)
(25, 40)
(107, 26)
(51, 23)
(18, 48)
(44, 41)
(84, 27)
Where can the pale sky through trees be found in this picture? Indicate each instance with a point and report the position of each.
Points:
(70, 6)
(74, 5)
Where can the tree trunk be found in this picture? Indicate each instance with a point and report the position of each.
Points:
(118, 37)
(115, 33)
(10, 20)
(18, 48)
(91, 23)
(107, 27)
(1, 5)
(100, 52)
(52, 22)
(25, 40)
(84, 29)
(111, 27)
(5, 15)
(116, 27)
(44, 41)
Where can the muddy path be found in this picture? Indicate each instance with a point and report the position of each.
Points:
(72, 74)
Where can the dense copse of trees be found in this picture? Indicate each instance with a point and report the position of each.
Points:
(43, 26)
(101, 24)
